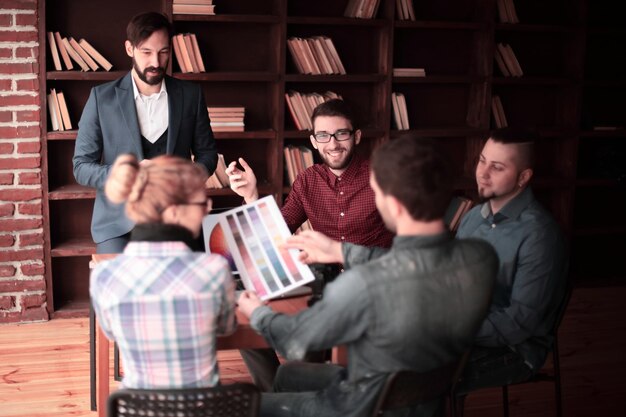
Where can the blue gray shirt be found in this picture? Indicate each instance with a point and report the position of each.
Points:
(531, 279)
(416, 306)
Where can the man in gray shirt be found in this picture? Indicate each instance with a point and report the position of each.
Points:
(515, 338)
(416, 306)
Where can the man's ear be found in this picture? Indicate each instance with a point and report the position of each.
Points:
(524, 177)
(357, 136)
(129, 48)
(313, 142)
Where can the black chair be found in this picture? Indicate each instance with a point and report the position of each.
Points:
(544, 375)
(235, 400)
(408, 388)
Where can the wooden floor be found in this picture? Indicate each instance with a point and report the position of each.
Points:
(44, 367)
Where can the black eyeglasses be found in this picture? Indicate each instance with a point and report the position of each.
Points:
(339, 136)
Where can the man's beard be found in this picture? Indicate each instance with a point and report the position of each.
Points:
(154, 80)
(343, 164)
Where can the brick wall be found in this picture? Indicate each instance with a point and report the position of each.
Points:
(22, 282)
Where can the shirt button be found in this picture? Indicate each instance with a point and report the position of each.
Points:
(341, 214)
(343, 238)
(340, 192)
(493, 225)
(338, 178)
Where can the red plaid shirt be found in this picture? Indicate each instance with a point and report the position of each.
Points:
(342, 208)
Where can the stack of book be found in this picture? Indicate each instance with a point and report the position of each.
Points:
(409, 72)
(405, 10)
(316, 55)
(507, 61)
(506, 11)
(219, 179)
(400, 113)
(455, 212)
(362, 9)
(227, 119)
(57, 108)
(65, 50)
(205, 7)
(301, 106)
(498, 112)
(188, 53)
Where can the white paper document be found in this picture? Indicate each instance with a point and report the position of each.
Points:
(250, 237)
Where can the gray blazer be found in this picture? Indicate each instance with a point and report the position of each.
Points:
(109, 127)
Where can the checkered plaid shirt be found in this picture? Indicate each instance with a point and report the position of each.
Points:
(164, 305)
(343, 208)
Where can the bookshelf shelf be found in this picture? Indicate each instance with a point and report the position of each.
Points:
(64, 135)
(74, 247)
(519, 27)
(336, 21)
(423, 24)
(229, 76)
(524, 80)
(71, 192)
(347, 78)
(225, 18)
(440, 79)
(86, 76)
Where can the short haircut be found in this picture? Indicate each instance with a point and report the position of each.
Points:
(417, 173)
(334, 108)
(143, 25)
(524, 139)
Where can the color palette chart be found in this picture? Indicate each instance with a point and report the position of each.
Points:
(254, 234)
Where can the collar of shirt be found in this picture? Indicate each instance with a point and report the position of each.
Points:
(152, 112)
(155, 249)
(350, 173)
(512, 209)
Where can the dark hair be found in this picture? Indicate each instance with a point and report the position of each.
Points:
(417, 173)
(334, 108)
(524, 139)
(143, 25)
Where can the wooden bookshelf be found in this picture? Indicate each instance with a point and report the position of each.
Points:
(574, 79)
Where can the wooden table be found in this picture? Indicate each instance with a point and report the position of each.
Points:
(243, 338)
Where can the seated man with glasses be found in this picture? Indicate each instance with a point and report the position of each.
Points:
(335, 196)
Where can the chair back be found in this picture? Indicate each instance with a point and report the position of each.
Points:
(408, 388)
(236, 400)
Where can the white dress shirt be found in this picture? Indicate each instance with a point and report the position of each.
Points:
(152, 112)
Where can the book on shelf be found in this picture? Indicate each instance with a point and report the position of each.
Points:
(497, 110)
(500, 62)
(362, 9)
(196, 52)
(401, 116)
(54, 122)
(187, 53)
(301, 106)
(63, 51)
(97, 56)
(56, 118)
(456, 210)
(65, 114)
(251, 238)
(192, 56)
(409, 72)
(227, 119)
(56, 60)
(315, 55)
(297, 160)
(405, 10)
(507, 61)
(200, 9)
(74, 55)
(84, 55)
(506, 11)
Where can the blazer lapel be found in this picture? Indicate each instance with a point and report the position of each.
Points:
(126, 102)
(175, 105)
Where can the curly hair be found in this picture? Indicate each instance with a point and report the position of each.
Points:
(166, 181)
